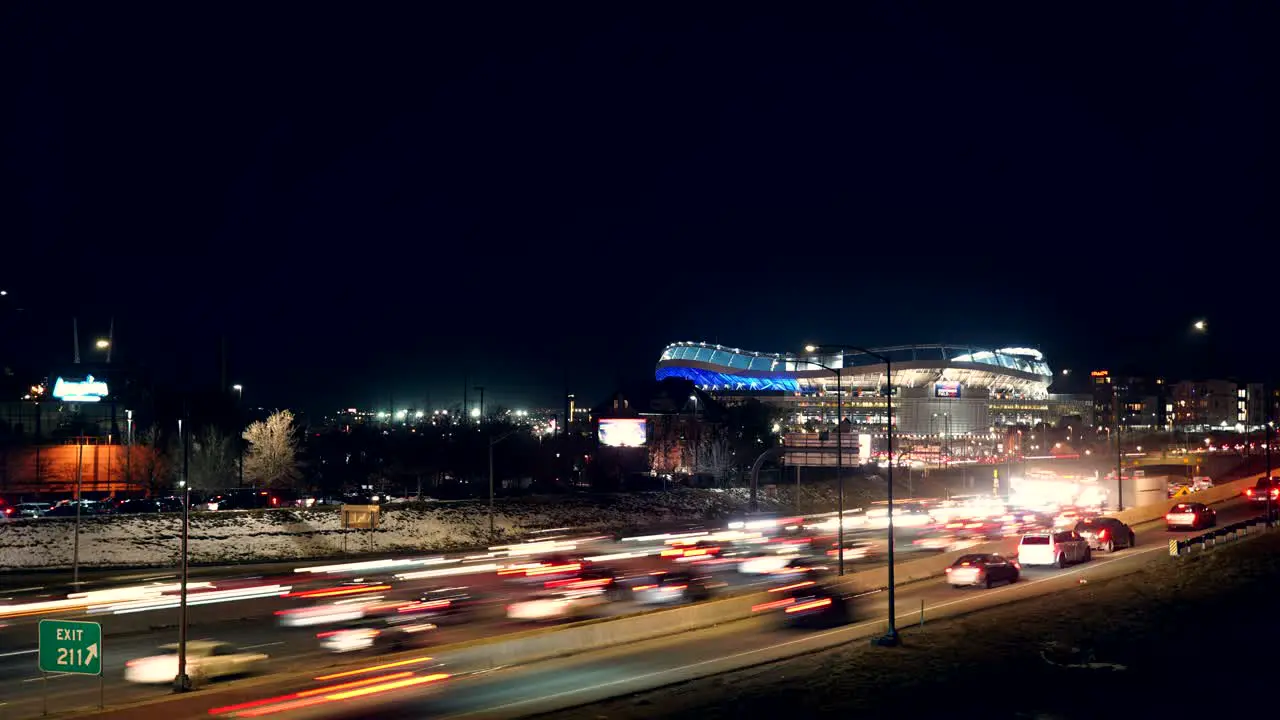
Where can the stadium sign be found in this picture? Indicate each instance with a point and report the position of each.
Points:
(87, 390)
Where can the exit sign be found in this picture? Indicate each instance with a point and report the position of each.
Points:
(70, 646)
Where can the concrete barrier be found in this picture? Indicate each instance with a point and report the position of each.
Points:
(1214, 495)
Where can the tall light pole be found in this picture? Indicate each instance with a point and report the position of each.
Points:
(240, 440)
(891, 637)
(182, 682)
(492, 443)
(75, 544)
(839, 463)
(480, 388)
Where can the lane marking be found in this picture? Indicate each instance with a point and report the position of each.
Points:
(261, 645)
(51, 676)
(809, 638)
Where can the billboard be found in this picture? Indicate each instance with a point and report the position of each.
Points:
(623, 432)
(946, 389)
(86, 390)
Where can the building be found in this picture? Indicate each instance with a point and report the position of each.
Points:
(1203, 405)
(1140, 403)
(938, 390)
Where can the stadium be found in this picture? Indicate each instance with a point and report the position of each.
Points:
(938, 390)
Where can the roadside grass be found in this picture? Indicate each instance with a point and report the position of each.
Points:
(1192, 634)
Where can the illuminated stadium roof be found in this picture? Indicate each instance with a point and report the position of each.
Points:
(717, 367)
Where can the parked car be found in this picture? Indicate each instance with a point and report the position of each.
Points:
(1190, 516)
(1106, 534)
(31, 509)
(982, 569)
(1060, 548)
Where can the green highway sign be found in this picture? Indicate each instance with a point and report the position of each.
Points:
(69, 646)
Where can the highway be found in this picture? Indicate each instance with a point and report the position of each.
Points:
(546, 685)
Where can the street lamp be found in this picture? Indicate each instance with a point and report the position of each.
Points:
(102, 344)
(890, 638)
(1200, 325)
(839, 462)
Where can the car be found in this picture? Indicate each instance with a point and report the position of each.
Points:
(206, 660)
(809, 604)
(855, 550)
(1190, 516)
(673, 587)
(1060, 547)
(444, 605)
(550, 567)
(983, 569)
(1106, 534)
(808, 567)
(380, 634)
(700, 550)
(1266, 490)
(763, 563)
(31, 509)
(557, 605)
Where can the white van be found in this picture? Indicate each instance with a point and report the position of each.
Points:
(1060, 548)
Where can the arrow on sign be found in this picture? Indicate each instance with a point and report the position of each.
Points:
(91, 653)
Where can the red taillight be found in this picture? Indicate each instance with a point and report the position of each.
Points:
(275, 501)
(1249, 492)
(949, 569)
(677, 587)
(329, 633)
(1102, 534)
(811, 605)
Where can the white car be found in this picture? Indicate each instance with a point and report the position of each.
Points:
(31, 510)
(370, 635)
(206, 660)
(557, 605)
(1060, 547)
(764, 564)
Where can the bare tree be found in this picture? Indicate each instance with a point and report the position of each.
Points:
(272, 457)
(150, 462)
(212, 464)
(713, 457)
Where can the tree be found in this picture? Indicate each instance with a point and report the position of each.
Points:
(212, 465)
(713, 457)
(666, 448)
(272, 457)
(149, 462)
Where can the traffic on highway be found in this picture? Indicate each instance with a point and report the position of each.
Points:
(330, 616)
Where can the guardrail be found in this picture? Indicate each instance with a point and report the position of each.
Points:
(1216, 536)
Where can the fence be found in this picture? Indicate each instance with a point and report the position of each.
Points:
(1227, 533)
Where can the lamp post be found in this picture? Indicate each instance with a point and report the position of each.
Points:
(182, 681)
(493, 442)
(240, 440)
(75, 546)
(839, 463)
(891, 637)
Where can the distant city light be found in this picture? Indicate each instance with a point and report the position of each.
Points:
(402, 413)
(419, 414)
(475, 412)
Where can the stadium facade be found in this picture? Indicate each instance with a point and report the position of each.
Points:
(938, 390)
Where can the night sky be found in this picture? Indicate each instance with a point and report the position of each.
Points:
(375, 201)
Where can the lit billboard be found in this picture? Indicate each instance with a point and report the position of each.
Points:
(623, 432)
(946, 389)
(86, 390)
